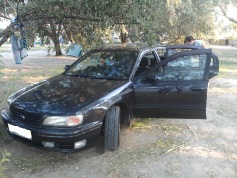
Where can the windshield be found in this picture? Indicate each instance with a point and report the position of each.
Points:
(105, 64)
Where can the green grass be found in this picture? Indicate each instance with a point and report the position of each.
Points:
(150, 123)
(228, 62)
(141, 123)
(2, 66)
(5, 158)
(228, 68)
(166, 144)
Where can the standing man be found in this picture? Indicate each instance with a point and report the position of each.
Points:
(189, 40)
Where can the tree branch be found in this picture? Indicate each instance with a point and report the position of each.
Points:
(7, 30)
(4, 39)
(224, 13)
(4, 17)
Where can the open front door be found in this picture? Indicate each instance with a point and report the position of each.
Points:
(175, 88)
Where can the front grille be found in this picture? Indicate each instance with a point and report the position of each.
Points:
(31, 119)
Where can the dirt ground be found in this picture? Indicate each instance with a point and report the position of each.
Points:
(151, 148)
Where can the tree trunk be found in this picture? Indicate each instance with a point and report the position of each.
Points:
(57, 47)
(123, 36)
(55, 38)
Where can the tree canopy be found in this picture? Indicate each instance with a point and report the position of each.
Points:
(86, 22)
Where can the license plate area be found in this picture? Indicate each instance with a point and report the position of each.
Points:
(20, 131)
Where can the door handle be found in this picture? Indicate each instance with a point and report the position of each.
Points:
(196, 89)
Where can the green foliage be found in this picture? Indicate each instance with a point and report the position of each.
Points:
(3, 161)
(165, 144)
(88, 22)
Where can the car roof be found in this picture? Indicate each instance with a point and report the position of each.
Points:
(119, 47)
(139, 47)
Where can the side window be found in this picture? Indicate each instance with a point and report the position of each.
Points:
(171, 51)
(147, 61)
(183, 69)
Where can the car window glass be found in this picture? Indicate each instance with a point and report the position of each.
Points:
(176, 50)
(148, 60)
(161, 50)
(183, 69)
(105, 64)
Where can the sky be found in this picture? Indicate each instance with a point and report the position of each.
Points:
(4, 24)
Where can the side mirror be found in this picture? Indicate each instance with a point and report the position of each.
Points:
(66, 67)
(151, 78)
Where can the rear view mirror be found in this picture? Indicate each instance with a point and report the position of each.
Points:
(66, 67)
(151, 77)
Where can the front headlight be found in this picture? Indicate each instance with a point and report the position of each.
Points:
(67, 121)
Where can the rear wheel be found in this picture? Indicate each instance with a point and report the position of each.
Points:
(112, 128)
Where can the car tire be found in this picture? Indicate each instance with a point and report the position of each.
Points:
(112, 128)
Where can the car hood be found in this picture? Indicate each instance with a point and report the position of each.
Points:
(62, 94)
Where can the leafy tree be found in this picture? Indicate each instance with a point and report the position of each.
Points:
(224, 6)
(225, 19)
(88, 22)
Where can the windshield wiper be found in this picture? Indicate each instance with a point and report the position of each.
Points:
(94, 77)
(76, 75)
(109, 78)
(83, 76)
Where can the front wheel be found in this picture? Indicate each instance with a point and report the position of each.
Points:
(112, 128)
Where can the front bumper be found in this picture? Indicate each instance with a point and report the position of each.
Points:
(63, 139)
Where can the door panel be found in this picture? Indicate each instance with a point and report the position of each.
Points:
(179, 88)
(171, 100)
